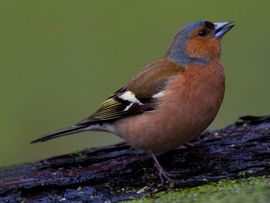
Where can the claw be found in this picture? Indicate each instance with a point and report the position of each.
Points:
(163, 175)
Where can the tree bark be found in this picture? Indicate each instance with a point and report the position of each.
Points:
(119, 172)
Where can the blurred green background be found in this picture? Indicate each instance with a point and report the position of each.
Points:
(60, 59)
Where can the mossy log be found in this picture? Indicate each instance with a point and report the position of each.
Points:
(119, 172)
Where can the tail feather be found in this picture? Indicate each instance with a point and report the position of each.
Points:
(60, 133)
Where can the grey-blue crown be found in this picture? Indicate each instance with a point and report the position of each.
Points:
(177, 51)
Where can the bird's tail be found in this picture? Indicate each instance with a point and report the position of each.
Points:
(66, 131)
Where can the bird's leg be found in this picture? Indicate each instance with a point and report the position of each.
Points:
(163, 175)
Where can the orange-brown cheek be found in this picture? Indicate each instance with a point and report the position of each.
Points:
(215, 46)
(203, 48)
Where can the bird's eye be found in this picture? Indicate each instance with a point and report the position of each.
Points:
(203, 33)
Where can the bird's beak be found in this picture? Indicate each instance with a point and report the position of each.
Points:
(221, 28)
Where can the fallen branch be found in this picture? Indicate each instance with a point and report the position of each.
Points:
(118, 172)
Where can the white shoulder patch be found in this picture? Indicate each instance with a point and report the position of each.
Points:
(158, 95)
(130, 96)
(128, 107)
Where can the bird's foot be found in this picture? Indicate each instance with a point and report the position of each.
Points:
(164, 175)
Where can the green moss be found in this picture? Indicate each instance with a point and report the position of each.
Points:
(234, 191)
(79, 155)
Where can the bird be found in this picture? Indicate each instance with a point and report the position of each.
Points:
(169, 102)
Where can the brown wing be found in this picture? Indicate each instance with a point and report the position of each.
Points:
(154, 78)
(137, 96)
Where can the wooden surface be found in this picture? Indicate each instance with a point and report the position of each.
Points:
(119, 172)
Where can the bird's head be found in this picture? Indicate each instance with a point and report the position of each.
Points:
(198, 43)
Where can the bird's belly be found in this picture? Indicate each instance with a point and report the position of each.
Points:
(160, 131)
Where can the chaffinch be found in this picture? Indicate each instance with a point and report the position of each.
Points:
(170, 101)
